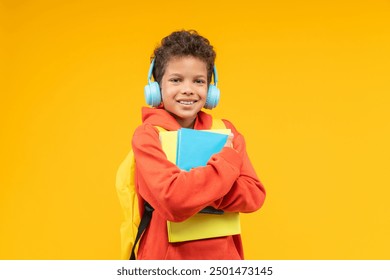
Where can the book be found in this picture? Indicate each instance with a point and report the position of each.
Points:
(188, 148)
(202, 226)
(169, 143)
(195, 147)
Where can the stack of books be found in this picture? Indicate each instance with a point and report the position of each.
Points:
(189, 148)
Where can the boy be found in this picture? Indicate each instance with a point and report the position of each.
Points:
(183, 68)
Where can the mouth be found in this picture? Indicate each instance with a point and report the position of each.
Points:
(187, 102)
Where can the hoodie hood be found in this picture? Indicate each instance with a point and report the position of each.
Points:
(160, 117)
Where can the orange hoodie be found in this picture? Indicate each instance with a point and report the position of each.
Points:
(228, 182)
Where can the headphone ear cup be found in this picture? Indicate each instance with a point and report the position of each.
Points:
(152, 94)
(212, 97)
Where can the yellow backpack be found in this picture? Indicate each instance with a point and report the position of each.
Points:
(132, 226)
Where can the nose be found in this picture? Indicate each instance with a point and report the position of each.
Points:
(187, 88)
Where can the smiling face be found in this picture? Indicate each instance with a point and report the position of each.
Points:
(184, 88)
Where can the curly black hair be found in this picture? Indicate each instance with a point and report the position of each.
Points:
(179, 44)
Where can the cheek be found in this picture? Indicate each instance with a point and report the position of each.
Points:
(167, 95)
(204, 93)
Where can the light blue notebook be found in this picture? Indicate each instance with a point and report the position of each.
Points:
(195, 147)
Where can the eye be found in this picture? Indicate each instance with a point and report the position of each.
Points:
(174, 80)
(200, 81)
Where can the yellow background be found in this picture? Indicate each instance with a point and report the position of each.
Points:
(306, 82)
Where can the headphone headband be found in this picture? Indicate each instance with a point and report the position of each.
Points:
(215, 75)
(151, 70)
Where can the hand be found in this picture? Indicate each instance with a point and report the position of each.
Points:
(229, 141)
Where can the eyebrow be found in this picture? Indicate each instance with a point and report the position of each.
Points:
(180, 75)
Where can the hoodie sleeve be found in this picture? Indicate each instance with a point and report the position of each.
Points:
(177, 194)
(247, 193)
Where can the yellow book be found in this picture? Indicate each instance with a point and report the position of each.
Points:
(201, 225)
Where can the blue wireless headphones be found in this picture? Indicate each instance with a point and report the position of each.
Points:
(153, 95)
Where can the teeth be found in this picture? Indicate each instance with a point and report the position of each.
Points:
(187, 102)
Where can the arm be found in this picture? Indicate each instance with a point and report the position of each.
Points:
(178, 194)
(247, 193)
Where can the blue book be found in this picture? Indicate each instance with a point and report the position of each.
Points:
(195, 147)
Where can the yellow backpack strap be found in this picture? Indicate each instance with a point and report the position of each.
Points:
(218, 124)
(159, 128)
